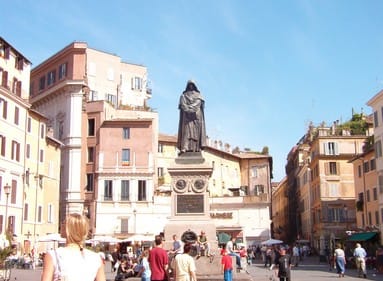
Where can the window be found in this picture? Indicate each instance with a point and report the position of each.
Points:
(50, 213)
(93, 95)
(136, 83)
(369, 218)
(141, 190)
(41, 155)
(380, 182)
(62, 70)
(19, 63)
(331, 148)
(42, 131)
(368, 195)
(40, 214)
(160, 171)
(254, 172)
(4, 79)
(366, 167)
(29, 125)
(16, 119)
(375, 193)
(89, 182)
(376, 217)
(372, 164)
(124, 190)
(51, 77)
(13, 191)
(125, 133)
(259, 189)
(360, 197)
(160, 148)
(26, 211)
(124, 225)
(61, 129)
(91, 127)
(111, 99)
(125, 156)
(333, 168)
(376, 122)
(359, 171)
(1, 223)
(334, 189)
(4, 108)
(90, 154)
(378, 149)
(16, 87)
(336, 215)
(15, 154)
(28, 151)
(108, 190)
(42, 83)
(2, 145)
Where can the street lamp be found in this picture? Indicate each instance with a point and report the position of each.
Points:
(7, 191)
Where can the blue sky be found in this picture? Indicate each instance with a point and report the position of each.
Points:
(265, 68)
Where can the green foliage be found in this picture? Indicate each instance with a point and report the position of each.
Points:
(357, 125)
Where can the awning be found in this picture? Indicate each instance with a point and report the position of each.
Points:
(223, 237)
(362, 236)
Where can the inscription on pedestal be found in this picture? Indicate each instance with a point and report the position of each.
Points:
(189, 204)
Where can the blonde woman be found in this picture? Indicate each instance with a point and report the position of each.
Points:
(73, 262)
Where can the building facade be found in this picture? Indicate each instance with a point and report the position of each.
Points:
(29, 159)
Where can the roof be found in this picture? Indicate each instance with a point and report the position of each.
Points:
(362, 236)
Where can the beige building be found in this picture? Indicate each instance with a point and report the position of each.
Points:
(279, 207)
(28, 159)
(376, 103)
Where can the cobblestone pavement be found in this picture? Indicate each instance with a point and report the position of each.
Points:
(309, 269)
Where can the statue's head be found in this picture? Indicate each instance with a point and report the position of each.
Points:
(191, 86)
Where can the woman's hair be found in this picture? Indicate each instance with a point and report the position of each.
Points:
(77, 227)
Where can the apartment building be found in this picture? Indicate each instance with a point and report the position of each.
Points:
(366, 190)
(376, 103)
(328, 174)
(94, 101)
(29, 159)
(279, 207)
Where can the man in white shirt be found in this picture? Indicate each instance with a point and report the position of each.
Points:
(360, 256)
(230, 251)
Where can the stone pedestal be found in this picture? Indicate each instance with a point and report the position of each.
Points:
(190, 210)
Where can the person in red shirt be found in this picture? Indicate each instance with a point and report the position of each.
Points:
(158, 261)
(227, 266)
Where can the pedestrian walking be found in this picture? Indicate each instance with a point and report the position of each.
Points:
(360, 255)
(340, 260)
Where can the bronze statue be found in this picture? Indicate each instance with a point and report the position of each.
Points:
(191, 129)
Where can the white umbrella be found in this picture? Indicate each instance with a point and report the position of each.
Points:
(139, 238)
(52, 237)
(272, 242)
(105, 239)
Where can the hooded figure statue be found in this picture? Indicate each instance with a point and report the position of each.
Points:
(191, 128)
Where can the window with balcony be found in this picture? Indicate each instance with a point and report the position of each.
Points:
(337, 214)
(125, 156)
